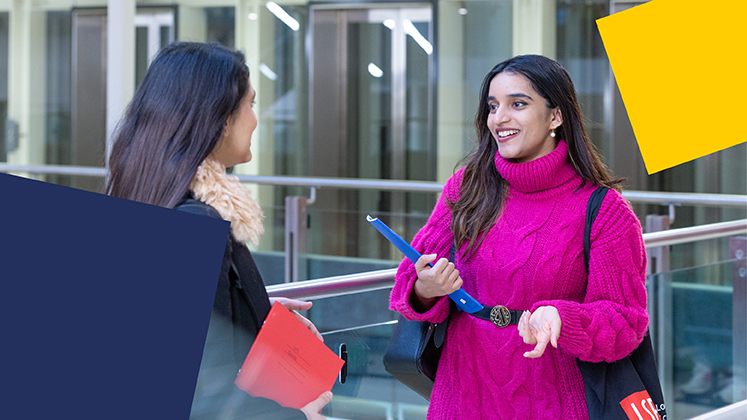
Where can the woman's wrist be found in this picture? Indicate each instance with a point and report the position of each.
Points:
(419, 303)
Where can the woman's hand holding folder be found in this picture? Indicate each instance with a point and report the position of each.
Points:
(294, 306)
(434, 282)
(313, 409)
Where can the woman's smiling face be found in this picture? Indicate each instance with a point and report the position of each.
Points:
(519, 118)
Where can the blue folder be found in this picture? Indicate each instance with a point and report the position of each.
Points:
(463, 300)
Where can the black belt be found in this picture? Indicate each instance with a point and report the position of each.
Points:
(498, 315)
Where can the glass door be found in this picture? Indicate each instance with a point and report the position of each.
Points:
(370, 116)
(154, 29)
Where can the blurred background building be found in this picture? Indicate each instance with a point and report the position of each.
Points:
(378, 90)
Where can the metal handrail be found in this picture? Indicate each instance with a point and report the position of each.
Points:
(663, 198)
(384, 279)
(335, 286)
(678, 198)
(736, 411)
(694, 233)
(55, 170)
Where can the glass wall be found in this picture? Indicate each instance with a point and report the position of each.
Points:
(374, 90)
(581, 52)
(3, 84)
(56, 70)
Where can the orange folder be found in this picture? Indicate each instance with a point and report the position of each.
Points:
(287, 363)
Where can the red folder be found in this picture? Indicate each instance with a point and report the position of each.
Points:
(287, 363)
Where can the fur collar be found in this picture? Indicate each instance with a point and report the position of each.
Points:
(233, 201)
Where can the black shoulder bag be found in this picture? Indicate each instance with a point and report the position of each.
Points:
(414, 350)
(628, 389)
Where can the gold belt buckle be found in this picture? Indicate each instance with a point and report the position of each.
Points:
(500, 315)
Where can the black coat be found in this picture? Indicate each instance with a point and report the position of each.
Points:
(240, 307)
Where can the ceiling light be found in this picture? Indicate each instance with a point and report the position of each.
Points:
(267, 72)
(375, 70)
(282, 15)
(411, 30)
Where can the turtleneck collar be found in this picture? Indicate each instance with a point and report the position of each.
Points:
(547, 172)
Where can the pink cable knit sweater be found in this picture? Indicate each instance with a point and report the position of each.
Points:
(533, 256)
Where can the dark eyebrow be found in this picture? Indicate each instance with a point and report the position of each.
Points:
(520, 95)
(513, 95)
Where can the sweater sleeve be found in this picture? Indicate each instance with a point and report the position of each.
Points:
(434, 237)
(612, 320)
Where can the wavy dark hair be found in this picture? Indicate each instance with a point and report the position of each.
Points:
(483, 189)
(174, 121)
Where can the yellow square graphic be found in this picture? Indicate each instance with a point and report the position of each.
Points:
(681, 68)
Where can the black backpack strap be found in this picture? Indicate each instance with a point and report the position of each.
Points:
(592, 209)
(194, 206)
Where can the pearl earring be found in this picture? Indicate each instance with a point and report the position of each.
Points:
(552, 133)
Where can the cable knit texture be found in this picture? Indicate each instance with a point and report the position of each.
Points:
(533, 256)
(230, 199)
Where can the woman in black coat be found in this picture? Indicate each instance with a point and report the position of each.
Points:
(189, 120)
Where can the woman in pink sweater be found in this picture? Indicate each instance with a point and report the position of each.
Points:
(517, 213)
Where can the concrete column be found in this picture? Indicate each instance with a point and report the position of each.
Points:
(120, 68)
(534, 27)
(247, 40)
(258, 41)
(27, 81)
(247, 37)
(18, 80)
(450, 128)
(192, 24)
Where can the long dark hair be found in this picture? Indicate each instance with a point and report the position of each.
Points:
(175, 121)
(483, 189)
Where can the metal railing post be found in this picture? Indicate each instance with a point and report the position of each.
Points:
(660, 306)
(658, 258)
(296, 224)
(738, 251)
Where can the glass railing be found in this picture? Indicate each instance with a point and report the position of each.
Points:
(697, 304)
(736, 411)
(698, 326)
(369, 392)
(699, 336)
